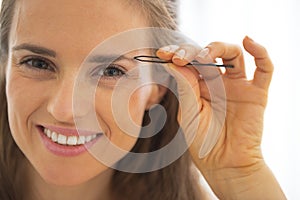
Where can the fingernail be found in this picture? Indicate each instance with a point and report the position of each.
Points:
(204, 56)
(180, 54)
(170, 48)
(203, 53)
(166, 48)
(173, 48)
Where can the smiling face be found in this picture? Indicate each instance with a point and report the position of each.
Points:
(48, 42)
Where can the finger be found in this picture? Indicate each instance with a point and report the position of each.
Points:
(265, 68)
(167, 52)
(207, 72)
(186, 80)
(181, 56)
(185, 77)
(185, 54)
(230, 54)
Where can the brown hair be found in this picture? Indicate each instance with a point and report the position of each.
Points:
(169, 183)
(10, 154)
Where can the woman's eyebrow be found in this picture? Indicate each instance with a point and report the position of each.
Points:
(35, 49)
(109, 58)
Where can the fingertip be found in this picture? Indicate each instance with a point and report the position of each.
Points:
(168, 50)
(205, 57)
(179, 61)
(254, 48)
(164, 55)
(180, 57)
(247, 38)
(247, 41)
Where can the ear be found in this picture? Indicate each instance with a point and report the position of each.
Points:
(157, 93)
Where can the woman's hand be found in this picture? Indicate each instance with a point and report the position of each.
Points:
(234, 166)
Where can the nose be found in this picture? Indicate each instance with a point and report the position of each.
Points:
(61, 105)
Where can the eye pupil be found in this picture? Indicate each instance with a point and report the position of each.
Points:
(39, 64)
(112, 72)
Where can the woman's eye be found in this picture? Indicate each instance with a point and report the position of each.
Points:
(112, 72)
(108, 75)
(37, 63)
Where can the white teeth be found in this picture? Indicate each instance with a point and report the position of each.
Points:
(68, 140)
(88, 138)
(54, 137)
(62, 139)
(81, 140)
(48, 132)
(72, 140)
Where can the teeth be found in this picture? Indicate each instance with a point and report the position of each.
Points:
(88, 138)
(54, 137)
(68, 140)
(72, 140)
(48, 132)
(62, 139)
(81, 140)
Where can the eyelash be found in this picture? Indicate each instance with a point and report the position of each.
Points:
(26, 62)
(100, 71)
(48, 66)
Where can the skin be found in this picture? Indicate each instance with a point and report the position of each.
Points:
(47, 94)
(235, 168)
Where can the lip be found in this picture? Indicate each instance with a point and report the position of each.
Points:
(64, 150)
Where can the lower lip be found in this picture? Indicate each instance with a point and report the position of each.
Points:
(64, 150)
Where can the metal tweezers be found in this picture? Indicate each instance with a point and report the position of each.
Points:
(155, 59)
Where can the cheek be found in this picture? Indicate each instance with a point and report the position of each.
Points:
(18, 101)
(22, 100)
(122, 116)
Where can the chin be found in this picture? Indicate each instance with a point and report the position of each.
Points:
(68, 175)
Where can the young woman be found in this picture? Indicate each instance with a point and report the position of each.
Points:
(44, 43)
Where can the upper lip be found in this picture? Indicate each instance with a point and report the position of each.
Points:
(70, 131)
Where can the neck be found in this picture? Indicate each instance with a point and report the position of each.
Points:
(94, 189)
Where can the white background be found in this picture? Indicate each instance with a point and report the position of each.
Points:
(276, 25)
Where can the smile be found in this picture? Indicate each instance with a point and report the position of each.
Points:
(69, 140)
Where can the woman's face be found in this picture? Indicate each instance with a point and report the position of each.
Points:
(49, 40)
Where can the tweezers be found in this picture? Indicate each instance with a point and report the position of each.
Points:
(155, 59)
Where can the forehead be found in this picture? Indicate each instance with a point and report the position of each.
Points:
(72, 23)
